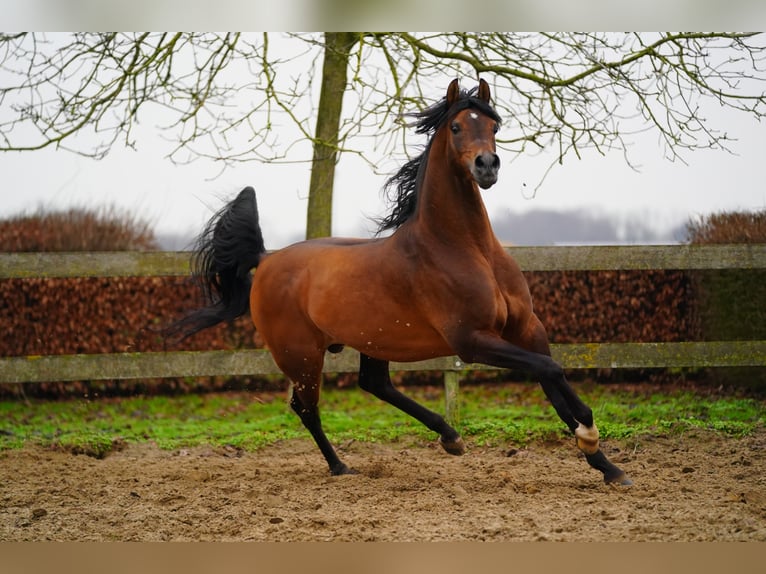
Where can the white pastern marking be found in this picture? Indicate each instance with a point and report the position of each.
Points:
(587, 438)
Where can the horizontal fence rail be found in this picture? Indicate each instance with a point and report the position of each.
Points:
(259, 362)
(576, 258)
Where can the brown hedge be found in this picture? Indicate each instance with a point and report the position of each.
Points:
(111, 315)
(613, 306)
(103, 315)
(76, 229)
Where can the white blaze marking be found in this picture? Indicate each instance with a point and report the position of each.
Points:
(474, 116)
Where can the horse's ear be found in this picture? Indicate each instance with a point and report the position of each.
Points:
(483, 91)
(453, 91)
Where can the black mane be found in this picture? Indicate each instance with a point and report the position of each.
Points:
(402, 187)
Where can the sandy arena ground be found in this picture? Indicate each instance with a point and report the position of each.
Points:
(699, 487)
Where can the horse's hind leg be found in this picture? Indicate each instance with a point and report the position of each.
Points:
(309, 415)
(375, 379)
(305, 402)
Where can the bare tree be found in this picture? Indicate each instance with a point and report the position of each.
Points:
(231, 96)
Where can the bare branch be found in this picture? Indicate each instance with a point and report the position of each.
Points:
(235, 97)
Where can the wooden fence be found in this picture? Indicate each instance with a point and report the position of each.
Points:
(259, 362)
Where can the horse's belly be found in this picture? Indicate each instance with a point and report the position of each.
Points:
(389, 338)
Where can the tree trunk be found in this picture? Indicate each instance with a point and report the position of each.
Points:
(334, 69)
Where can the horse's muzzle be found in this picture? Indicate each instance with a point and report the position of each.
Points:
(485, 168)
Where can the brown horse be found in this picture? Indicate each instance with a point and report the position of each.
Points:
(441, 284)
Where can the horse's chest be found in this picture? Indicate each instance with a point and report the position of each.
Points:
(479, 295)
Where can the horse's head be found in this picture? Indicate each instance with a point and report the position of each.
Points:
(463, 126)
(472, 132)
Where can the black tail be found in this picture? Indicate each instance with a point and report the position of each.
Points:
(230, 246)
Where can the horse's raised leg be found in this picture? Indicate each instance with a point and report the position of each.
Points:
(586, 435)
(571, 409)
(375, 379)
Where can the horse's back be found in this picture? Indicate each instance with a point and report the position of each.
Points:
(284, 277)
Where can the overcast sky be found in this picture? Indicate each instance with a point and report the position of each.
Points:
(179, 199)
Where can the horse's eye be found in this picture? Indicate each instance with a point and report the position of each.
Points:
(494, 129)
(455, 128)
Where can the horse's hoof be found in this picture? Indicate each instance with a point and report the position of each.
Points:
(456, 447)
(342, 470)
(619, 479)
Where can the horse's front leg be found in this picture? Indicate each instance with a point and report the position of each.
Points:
(374, 378)
(493, 350)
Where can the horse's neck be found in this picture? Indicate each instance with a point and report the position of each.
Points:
(450, 208)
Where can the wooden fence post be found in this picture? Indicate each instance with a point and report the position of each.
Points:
(451, 397)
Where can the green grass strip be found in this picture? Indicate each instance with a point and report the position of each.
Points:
(490, 415)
